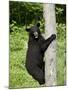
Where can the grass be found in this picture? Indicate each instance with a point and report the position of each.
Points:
(60, 63)
(19, 76)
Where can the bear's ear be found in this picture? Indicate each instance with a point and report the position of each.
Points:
(38, 24)
(27, 29)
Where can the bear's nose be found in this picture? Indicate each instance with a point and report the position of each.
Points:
(36, 34)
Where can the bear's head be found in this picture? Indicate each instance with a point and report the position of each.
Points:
(34, 31)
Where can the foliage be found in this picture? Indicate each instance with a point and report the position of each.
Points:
(61, 31)
(60, 13)
(26, 13)
(23, 13)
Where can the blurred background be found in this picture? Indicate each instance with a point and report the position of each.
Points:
(22, 15)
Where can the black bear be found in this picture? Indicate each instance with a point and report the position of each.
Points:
(37, 45)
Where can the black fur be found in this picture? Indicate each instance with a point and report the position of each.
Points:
(37, 45)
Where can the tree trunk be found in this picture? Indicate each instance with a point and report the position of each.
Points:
(50, 54)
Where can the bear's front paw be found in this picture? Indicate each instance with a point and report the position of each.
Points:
(53, 36)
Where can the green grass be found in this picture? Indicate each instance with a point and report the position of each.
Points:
(60, 63)
(19, 76)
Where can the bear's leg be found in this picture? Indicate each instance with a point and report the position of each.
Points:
(39, 75)
(47, 42)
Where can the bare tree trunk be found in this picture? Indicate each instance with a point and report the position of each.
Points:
(50, 55)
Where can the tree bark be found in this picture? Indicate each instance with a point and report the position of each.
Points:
(50, 54)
